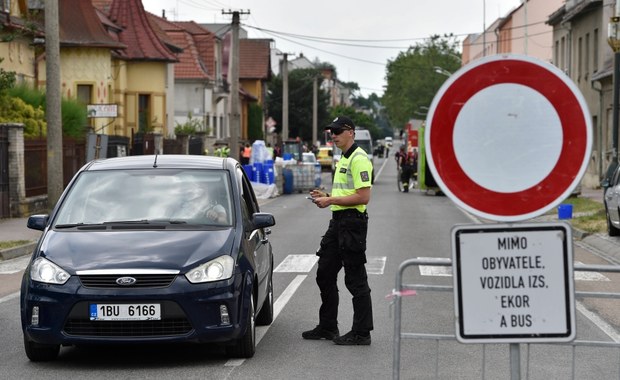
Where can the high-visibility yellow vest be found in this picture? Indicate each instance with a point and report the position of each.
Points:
(353, 172)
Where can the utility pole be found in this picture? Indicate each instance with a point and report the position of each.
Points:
(52, 109)
(613, 38)
(233, 79)
(315, 110)
(285, 97)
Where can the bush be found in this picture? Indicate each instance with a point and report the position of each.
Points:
(74, 115)
(190, 127)
(15, 110)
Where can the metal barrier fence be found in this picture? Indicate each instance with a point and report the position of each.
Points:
(403, 290)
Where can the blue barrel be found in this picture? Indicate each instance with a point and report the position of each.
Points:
(269, 175)
(288, 181)
(258, 177)
(249, 171)
(287, 156)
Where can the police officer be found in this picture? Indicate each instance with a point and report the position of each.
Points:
(344, 243)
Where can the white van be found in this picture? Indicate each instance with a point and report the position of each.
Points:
(364, 141)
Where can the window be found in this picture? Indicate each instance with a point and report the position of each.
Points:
(144, 112)
(579, 58)
(84, 92)
(6, 6)
(595, 43)
(586, 56)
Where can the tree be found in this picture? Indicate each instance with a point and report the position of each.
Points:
(413, 80)
(360, 119)
(300, 82)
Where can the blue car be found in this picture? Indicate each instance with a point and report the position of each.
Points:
(150, 249)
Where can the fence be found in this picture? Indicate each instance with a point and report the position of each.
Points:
(35, 163)
(592, 362)
(4, 173)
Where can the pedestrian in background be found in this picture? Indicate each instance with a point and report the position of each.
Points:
(344, 243)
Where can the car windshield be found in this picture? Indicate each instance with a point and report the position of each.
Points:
(364, 144)
(180, 196)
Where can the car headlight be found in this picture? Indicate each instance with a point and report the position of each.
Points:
(214, 270)
(43, 270)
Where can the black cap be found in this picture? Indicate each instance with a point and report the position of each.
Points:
(341, 122)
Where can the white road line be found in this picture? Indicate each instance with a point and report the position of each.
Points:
(589, 276)
(278, 305)
(9, 297)
(599, 322)
(376, 265)
(297, 264)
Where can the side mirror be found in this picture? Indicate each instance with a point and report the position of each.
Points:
(263, 220)
(37, 222)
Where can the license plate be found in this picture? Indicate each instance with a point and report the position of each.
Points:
(125, 312)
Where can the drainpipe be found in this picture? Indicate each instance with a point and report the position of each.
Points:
(599, 127)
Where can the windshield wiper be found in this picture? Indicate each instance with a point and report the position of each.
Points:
(142, 221)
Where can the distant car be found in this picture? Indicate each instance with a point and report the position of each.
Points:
(150, 249)
(308, 158)
(325, 156)
(389, 141)
(612, 203)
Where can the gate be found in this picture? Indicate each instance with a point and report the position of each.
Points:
(4, 173)
(605, 351)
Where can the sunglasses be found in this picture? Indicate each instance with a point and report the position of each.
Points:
(338, 131)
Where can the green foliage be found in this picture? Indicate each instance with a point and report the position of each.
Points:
(300, 103)
(190, 127)
(74, 116)
(15, 110)
(7, 79)
(255, 122)
(412, 81)
(360, 119)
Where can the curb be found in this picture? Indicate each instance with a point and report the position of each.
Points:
(21, 250)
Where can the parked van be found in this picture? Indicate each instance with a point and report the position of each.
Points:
(364, 141)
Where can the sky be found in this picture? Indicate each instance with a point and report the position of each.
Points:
(358, 37)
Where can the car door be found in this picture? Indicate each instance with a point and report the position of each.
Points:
(612, 197)
(256, 241)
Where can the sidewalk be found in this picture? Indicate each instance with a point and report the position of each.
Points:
(15, 229)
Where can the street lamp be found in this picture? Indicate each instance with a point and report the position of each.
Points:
(442, 71)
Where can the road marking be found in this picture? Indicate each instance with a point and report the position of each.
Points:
(376, 265)
(589, 276)
(9, 297)
(278, 305)
(297, 264)
(435, 270)
(14, 265)
(598, 321)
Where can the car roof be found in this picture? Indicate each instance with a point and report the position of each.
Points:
(162, 161)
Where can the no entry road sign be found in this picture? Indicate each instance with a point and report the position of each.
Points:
(508, 137)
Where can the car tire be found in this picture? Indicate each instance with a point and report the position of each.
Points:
(265, 316)
(611, 229)
(40, 352)
(245, 347)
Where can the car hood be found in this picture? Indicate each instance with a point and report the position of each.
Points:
(88, 250)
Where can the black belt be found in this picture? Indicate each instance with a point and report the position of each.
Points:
(349, 213)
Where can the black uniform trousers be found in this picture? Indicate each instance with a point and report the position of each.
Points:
(344, 245)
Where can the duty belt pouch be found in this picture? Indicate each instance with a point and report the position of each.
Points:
(352, 240)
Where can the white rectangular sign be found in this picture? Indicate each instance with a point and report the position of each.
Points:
(513, 283)
(102, 110)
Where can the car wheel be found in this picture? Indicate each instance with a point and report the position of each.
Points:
(245, 347)
(40, 352)
(611, 229)
(265, 317)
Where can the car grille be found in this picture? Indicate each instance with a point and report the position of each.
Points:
(173, 322)
(142, 281)
(167, 327)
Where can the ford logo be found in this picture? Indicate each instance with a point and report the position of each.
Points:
(125, 281)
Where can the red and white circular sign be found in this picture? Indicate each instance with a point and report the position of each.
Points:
(508, 137)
